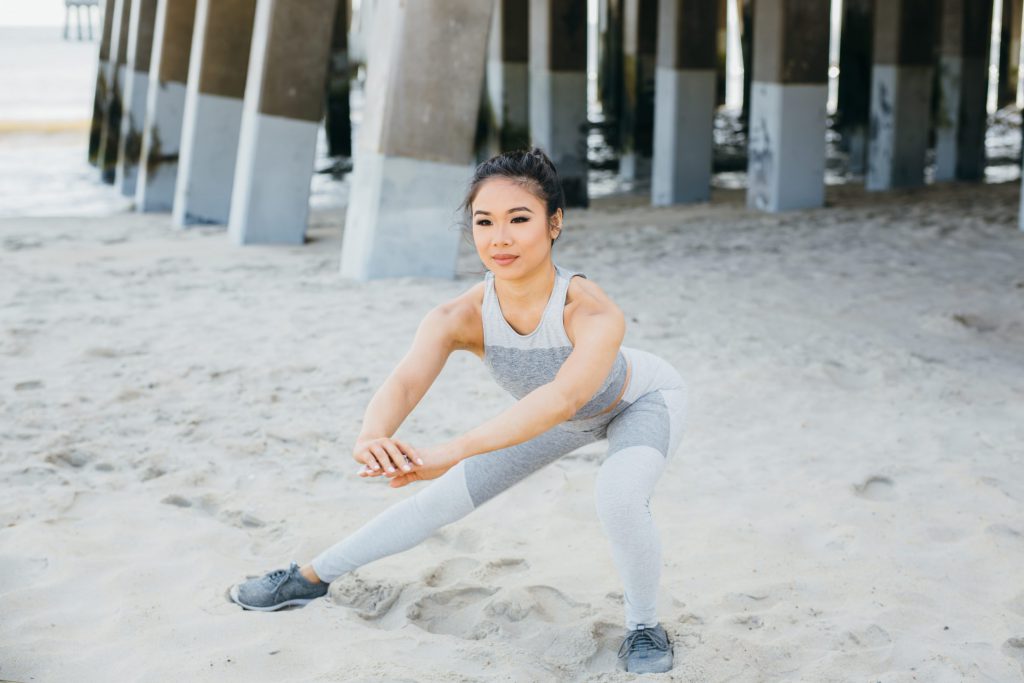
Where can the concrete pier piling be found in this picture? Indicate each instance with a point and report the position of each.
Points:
(685, 101)
(165, 107)
(337, 117)
(508, 79)
(901, 92)
(136, 94)
(609, 67)
(1009, 51)
(281, 113)
(636, 123)
(558, 90)
(103, 80)
(963, 88)
(110, 133)
(854, 97)
(414, 153)
(218, 68)
(786, 148)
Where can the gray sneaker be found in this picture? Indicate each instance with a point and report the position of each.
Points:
(647, 650)
(277, 589)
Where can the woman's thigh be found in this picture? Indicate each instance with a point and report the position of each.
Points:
(488, 474)
(656, 419)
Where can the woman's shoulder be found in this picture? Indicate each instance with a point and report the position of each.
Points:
(462, 317)
(586, 295)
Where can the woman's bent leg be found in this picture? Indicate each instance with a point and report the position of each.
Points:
(640, 440)
(453, 495)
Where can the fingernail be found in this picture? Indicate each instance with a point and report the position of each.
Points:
(405, 467)
(418, 461)
(391, 469)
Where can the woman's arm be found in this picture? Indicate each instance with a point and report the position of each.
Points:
(437, 336)
(598, 326)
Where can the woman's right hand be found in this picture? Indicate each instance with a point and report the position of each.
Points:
(383, 454)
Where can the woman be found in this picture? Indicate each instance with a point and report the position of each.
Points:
(554, 342)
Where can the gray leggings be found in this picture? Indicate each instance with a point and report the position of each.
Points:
(643, 431)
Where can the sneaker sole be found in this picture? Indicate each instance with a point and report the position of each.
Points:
(233, 593)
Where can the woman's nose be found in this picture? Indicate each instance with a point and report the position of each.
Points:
(501, 235)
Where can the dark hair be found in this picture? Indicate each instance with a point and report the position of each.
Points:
(531, 168)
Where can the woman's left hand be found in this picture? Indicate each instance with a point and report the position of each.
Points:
(436, 461)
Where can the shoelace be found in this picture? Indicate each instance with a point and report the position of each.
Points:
(277, 577)
(643, 639)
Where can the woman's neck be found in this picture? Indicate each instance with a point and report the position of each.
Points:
(532, 290)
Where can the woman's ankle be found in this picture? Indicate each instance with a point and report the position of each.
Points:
(309, 574)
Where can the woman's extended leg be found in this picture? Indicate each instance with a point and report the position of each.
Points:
(450, 497)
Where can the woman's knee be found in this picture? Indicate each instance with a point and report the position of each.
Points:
(625, 482)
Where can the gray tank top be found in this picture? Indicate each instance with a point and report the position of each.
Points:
(522, 362)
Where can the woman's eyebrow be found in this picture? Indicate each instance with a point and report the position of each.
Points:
(518, 208)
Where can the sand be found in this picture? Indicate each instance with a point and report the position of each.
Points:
(848, 504)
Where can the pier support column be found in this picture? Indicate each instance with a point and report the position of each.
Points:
(103, 79)
(558, 90)
(414, 153)
(854, 106)
(218, 65)
(609, 67)
(284, 102)
(110, 133)
(901, 92)
(337, 117)
(136, 94)
(786, 148)
(685, 100)
(636, 135)
(963, 89)
(1009, 52)
(161, 136)
(508, 77)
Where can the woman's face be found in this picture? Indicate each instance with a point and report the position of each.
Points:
(511, 228)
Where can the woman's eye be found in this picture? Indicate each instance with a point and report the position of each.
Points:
(483, 221)
(520, 219)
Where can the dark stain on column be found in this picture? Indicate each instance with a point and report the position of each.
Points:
(226, 43)
(567, 49)
(515, 31)
(905, 32)
(175, 50)
(100, 97)
(111, 135)
(146, 24)
(791, 41)
(515, 49)
(295, 65)
(609, 84)
(337, 117)
(177, 44)
(695, 46)
(854, 97)
(144, 35)
(974, 37)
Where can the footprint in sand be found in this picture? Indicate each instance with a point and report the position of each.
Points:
(455, 611)
(1014, 649)
(449, 571)
(875, 487)
(371, 600)
(475, 612)
(607, 637)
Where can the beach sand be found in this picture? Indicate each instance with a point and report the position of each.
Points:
(847, 505)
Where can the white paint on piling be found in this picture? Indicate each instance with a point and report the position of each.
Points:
(786, 152)
(206, 162)
(684, 110)
(154, 190)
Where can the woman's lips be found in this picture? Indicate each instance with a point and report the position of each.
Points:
(504, 260)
